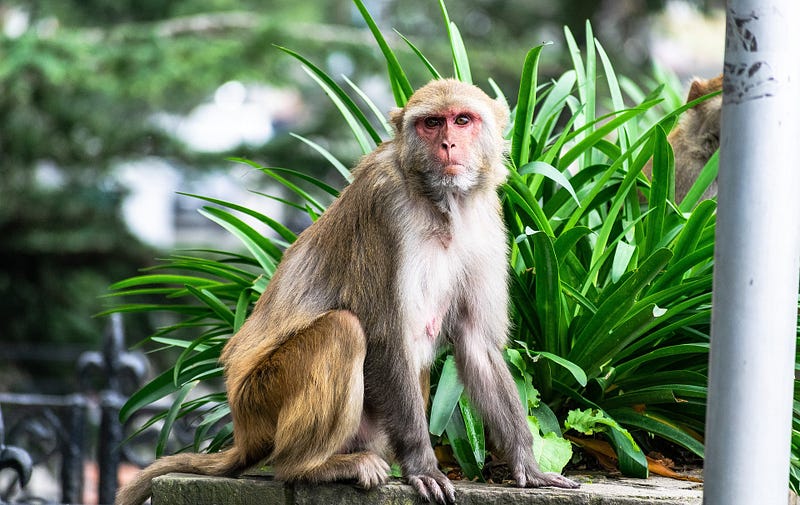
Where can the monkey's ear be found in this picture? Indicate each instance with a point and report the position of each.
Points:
(396, 118)
(697, 89)
(502, 113)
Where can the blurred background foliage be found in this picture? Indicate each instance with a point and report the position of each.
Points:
(87, 86)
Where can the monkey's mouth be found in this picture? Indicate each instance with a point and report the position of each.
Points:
(454, 169)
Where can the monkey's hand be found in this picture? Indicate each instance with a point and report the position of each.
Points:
(433, 486)
(530, 476)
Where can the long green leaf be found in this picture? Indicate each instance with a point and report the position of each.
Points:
(258, 246)
(379, 115)
(549, 171)
(142, 280)
(671, 351)
(460, 59)
(548, 292)
(473, 425)
(462, 446)
(661, 189)
(653, 423)
(552, 106)
(526, 104)
(352, 114)
(163, 385)
(434, 73)
(576, 371)
(279, 228)
(593, 341)
(338, 165)
(172, 414)
(401, 87)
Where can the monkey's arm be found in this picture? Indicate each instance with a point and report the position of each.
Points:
(492, 390)
(479, 330)
(393, 395)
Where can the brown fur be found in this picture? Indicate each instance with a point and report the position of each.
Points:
(324, 377)
(695, 138)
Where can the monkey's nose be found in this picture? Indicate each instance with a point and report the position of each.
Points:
(447, 146)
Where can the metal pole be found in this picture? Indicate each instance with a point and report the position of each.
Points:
(757, 258)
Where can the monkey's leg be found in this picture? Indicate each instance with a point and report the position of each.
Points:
(395, 397)
(320, 374)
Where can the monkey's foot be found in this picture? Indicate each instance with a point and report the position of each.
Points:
(434, 486)
(546, 479)
(372, 471)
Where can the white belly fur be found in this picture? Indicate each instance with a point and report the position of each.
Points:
(432, 270)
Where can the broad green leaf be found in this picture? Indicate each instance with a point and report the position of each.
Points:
(448, 392)
(632, 461)
(546, 418)
(551, 451)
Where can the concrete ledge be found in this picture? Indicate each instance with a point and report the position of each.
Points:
(183, 489)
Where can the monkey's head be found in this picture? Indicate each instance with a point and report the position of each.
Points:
(704, 120)
(449, 138)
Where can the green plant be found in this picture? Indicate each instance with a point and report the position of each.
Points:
(610, 278)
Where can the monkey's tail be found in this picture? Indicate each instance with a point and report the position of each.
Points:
(229, 462)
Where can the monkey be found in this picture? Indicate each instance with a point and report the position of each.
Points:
(324, 378)
(695, 138)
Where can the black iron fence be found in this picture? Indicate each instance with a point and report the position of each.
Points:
(60, 437)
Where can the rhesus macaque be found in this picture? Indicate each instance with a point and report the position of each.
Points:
(323, 379)
(695, 138)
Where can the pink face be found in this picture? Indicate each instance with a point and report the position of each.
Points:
(450, 135)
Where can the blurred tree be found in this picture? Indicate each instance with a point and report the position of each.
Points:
(81, 82)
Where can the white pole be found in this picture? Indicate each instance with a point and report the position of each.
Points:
(757, 258)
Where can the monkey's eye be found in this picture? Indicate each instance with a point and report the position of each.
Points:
(462, 119)
(433, 122)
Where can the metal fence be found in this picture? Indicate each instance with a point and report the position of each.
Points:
(58, 435)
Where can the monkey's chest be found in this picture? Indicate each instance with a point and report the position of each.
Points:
(429, 279)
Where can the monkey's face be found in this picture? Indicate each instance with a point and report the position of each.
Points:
(450, 139)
